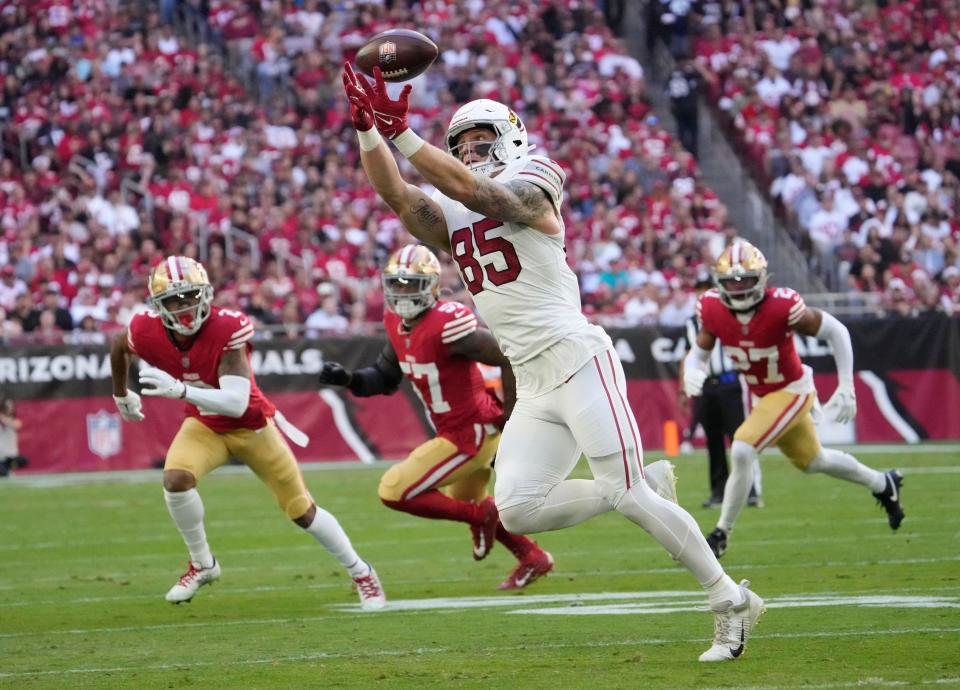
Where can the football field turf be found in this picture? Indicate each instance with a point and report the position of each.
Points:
(84, 567)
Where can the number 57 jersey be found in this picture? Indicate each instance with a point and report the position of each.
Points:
(762, 348)
(522, 285)
(451, 387)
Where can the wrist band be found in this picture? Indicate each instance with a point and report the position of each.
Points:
(369, 140)
(408, 142)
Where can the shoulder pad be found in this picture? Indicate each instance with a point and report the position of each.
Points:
(458, 321)
(545, 173)
(234, 328)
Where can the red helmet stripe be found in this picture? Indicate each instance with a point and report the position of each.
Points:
(406, 256)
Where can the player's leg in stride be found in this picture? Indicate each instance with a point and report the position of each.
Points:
(195, 451)
(269, 456)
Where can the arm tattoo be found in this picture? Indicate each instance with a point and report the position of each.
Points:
(514, 202)
(425, 214)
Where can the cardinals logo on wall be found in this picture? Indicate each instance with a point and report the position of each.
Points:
(103, 434)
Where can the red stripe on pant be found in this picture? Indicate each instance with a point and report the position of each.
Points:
(765, 440)
(623, 447)
(626, 412)
(422, 486)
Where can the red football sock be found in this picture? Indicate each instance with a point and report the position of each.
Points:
(517, 544)
(438, 506)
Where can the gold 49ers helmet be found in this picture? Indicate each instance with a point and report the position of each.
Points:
(411, 281)
(181, 293)
(741, 276)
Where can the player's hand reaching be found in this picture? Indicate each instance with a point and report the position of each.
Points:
(842, 406)
(361, 111)
(161, 384)
(333, 374)
(129, 406)
(389, 116)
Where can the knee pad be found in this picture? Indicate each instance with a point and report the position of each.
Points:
(742, 454)
(519, 518)
(613, 493)
(297, 507)
(390, 488)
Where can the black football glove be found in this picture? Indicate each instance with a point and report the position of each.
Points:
(333, 374)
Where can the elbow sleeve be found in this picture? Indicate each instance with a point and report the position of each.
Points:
(383, 378)
(838, 336)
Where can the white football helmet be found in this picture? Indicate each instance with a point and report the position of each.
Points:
(510, 144)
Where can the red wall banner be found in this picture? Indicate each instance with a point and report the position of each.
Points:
(908, 388)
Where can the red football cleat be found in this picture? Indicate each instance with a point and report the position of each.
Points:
(485, 533)
(535, 564)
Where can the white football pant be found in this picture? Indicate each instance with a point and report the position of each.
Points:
(542, 443)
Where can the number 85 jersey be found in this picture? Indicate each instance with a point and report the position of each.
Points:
(520, 280)
(762, 348)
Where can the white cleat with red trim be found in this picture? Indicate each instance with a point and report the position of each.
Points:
(370, 590)
(191, 581)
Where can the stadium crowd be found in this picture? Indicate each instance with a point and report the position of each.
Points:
(851, 113)
(123, 143)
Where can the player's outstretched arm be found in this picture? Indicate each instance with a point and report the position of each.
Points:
(482, 347)
(515, 201)
(422, 216)
(383, 378)
(842, 405)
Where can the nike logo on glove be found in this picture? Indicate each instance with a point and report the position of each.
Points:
(385, 121)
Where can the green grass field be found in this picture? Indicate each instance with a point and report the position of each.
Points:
(84, 567)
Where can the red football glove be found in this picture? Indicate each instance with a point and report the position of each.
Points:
(360, 109)
(390, 116)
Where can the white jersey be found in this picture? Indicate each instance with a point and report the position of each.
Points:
(522, 285)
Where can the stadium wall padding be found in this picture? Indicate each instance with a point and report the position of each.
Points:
(908, 389)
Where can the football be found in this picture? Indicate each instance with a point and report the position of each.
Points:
(401, 54)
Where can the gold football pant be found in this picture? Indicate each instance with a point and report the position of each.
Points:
(783, 419)
(439, 464)
(199, 450)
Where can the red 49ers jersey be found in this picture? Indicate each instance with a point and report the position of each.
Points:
(451, 387)
(763, 347)
(197, 364)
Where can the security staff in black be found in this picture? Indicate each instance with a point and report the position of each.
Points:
(720, 409)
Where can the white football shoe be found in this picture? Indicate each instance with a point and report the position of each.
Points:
(732, 628)
(660, 478)
(370, 590)
(191, 581)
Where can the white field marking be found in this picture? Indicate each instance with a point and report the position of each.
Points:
(675, 570)
(651, 602)
(458, 604)
(154, 475)
(527, 647)
(872, 682)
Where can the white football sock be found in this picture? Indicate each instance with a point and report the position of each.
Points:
(568, 503)
(186, 509)
(836, 463)
(675, 530)
(326, 530)
(743, 462)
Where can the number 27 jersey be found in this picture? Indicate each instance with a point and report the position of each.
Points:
(762, 348)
